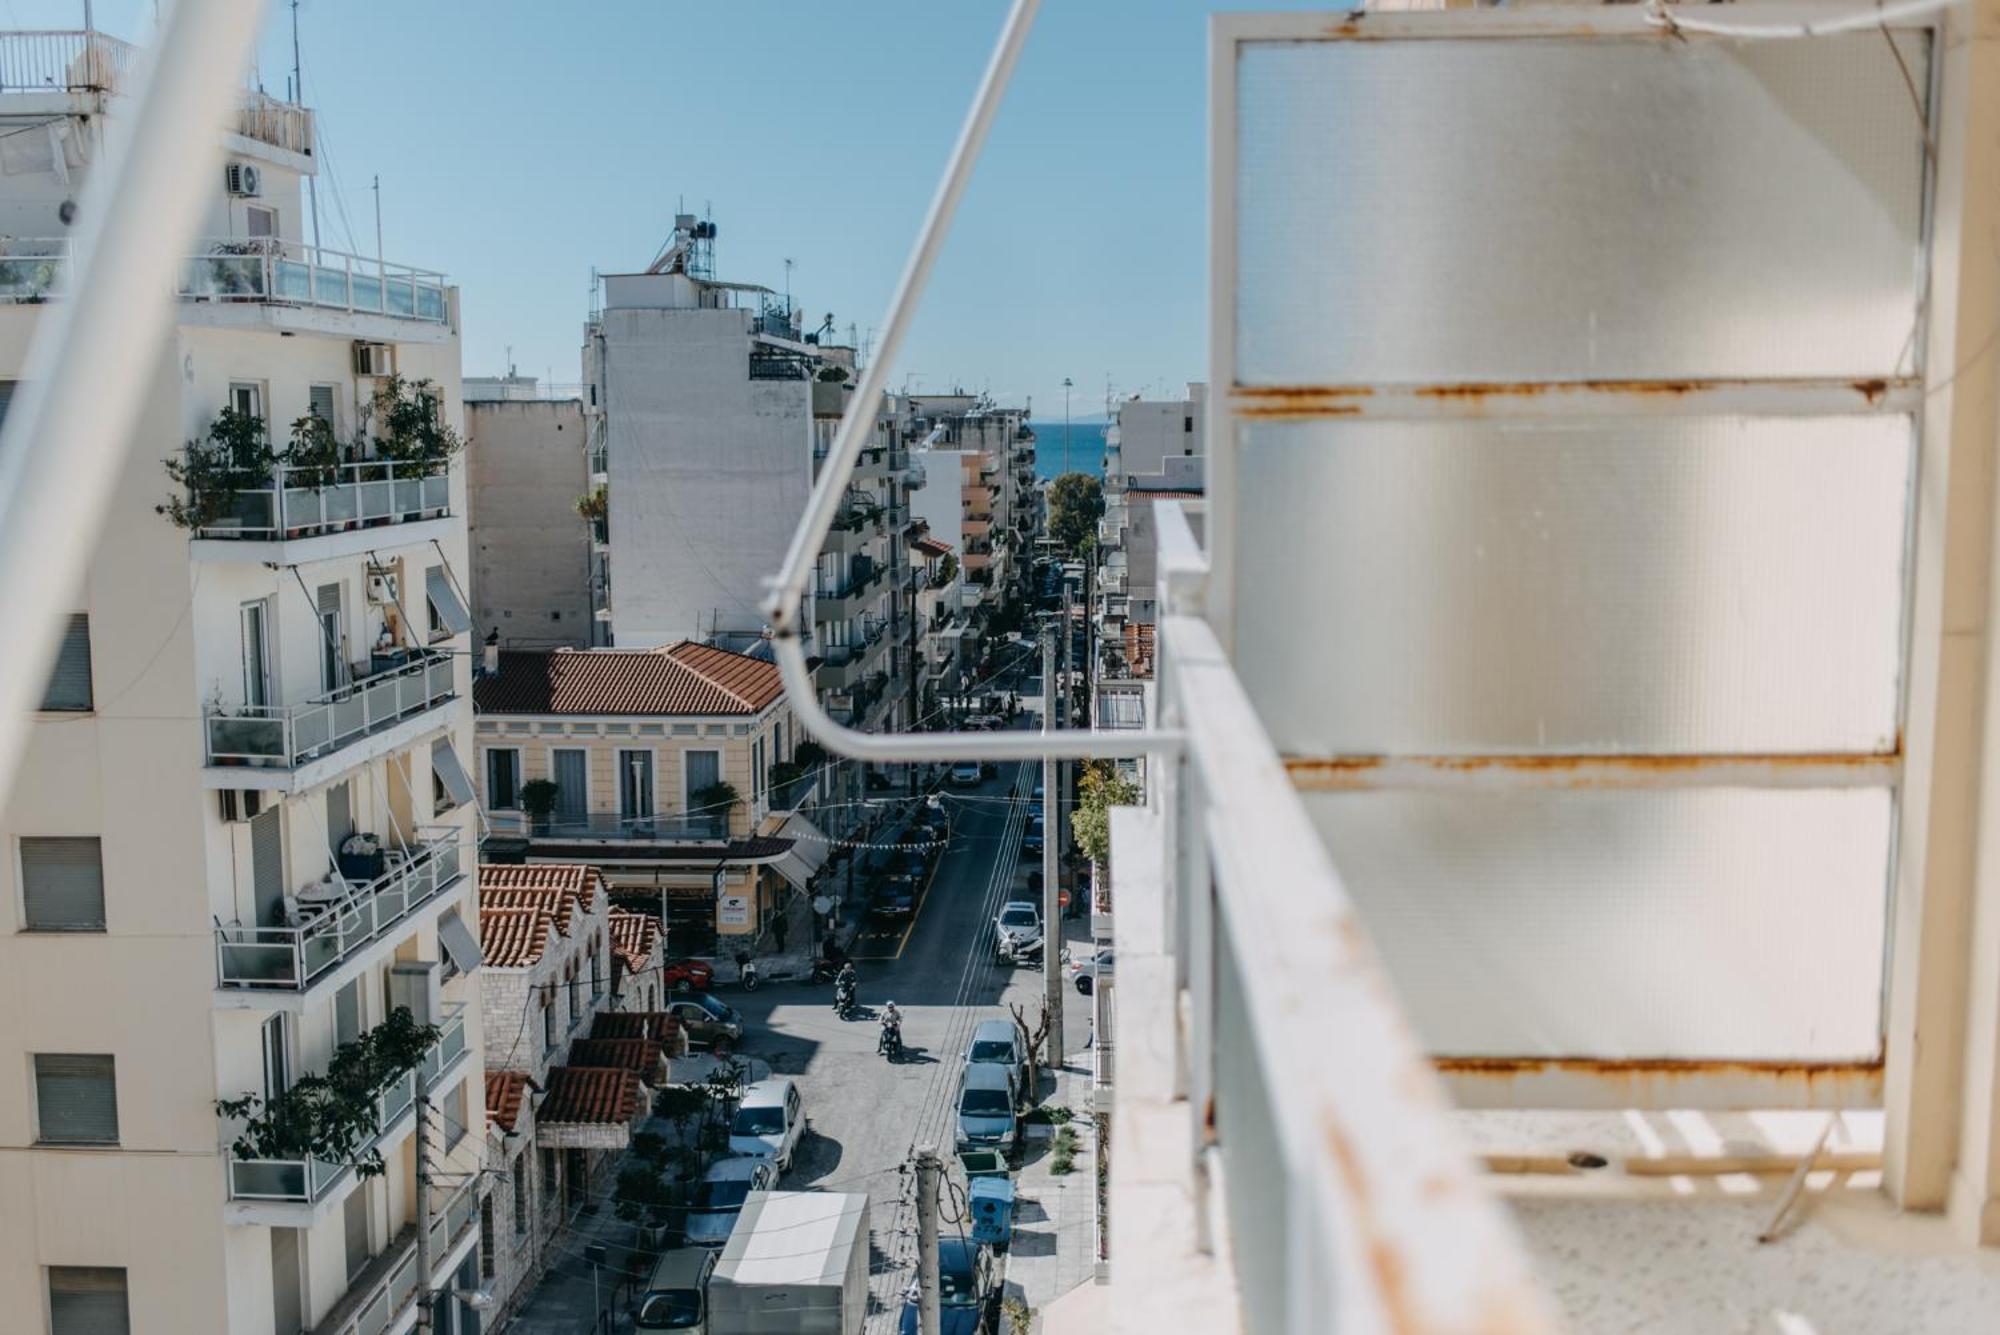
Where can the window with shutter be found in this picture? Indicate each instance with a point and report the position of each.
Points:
(486, 1239)
(62, 884)
(354, 1223)
(88, 1300)
(519, 1172)
(69, 682)
(503, 779)
(339, 819)
(450, 776)
(76, 1099)
(319, 402)
(267, 864)
(572, 783)
(454, 1116)
(448, 614)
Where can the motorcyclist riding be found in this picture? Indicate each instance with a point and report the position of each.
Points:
(891, 1040)
(843, 991)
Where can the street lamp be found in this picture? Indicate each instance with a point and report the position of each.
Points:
(1067, 382)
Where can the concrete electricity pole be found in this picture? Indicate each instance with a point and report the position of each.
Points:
(928, 1172)
(420, 1144)
(1051, 892)
(1065, 770)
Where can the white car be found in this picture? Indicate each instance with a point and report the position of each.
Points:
(1084, 970)
(718, 1197)
(769, 1122)
(1018, 924)
(965, 775)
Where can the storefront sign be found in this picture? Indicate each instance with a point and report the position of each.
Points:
(733, 911)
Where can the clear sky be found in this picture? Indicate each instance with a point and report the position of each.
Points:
(521, 144)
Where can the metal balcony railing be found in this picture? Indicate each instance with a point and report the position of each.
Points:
(281, 124)
(312, 502)
(293, 958)
(56, 61)
(260, 270)
(610, 826)
(308, 1181)
(288, 736)
(384, 1293)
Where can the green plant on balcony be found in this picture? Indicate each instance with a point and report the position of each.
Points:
(410, 431)
(538, 800)
(315, 455)
(714, 801)
(594, 505)
(1099, 788)
(809, 753)
(332, 1117)
(213, 472)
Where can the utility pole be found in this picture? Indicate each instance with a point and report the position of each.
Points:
(1051, 892)
(420, 1143)
(1064, 769)
(928, 1172)
(1067, 382)
(379, 269)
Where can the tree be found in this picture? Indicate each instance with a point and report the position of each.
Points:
(1034, 1037)
(1099, 788)
(714, 801)
(1076, 503)
(538, 799)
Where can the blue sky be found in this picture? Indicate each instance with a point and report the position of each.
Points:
(521, 144)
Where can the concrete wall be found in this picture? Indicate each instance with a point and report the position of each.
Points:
(526, 465)
(1153, 431)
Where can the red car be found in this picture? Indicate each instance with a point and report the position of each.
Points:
(688, 975)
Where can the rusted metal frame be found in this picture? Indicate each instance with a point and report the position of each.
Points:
(1366, 1137)
(1541, 400)
(1360, 773)
(1605, 1084)
(1634, 20)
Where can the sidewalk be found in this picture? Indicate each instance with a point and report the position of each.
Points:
(1051, 1252)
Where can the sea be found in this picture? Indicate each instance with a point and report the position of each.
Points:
(1086, 448)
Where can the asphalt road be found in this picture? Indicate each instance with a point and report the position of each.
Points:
(864, 1114)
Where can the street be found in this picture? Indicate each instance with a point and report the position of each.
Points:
(866, 1114)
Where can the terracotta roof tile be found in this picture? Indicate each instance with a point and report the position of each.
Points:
(683, 678)
(505, 1092)
(656, 1025)
(634, 937)
(932, 548)
(514, 938)
(641, 1056)
(603, 1095)
(514, 886)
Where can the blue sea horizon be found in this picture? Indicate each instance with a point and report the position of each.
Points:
(1086, 448)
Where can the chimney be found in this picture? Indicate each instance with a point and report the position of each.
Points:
(489, 658)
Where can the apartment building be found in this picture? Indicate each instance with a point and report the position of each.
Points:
(531, 480)
(560, 1101)
(676, 771)
(995, 516)
(239, 844)
(1590, 662)
(713, 409)
(1154, 450)
(947, 641)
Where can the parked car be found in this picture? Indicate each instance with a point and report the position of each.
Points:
(968, 1290)
(966, 775)
(769, 1122)
(710, 1024)
(718, 1197)
(688, 975)
(987, 1098)
(1019, 924)
(999, 1042)
(896, 898)
(1031, 837)
(676, 1297)
(1084, 969)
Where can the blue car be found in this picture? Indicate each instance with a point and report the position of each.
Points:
(967, 1288)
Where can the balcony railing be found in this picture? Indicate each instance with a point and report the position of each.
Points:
(610, 826)
(384, 1292)
(288, 736)
(281, 124)
(263, 270)
(309, 503)
(293, 958)
(307, 1181)
(70, 62)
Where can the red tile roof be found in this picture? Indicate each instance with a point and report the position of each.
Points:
(559, 889)
(505, 1092)
(514, 938)
(683, 678)
(634, 937)
(603, 1095)
(1139, 648)
(656, 1025)
(640, 1056)
(932, 548)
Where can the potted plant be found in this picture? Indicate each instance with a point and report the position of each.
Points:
(214, 471)
(714, 802)
(538, 800)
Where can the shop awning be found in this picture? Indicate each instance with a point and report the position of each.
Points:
(807, 854)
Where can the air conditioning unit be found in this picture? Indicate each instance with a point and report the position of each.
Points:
(376, 359)
(244, 179)
(418, 984)
(382, 589)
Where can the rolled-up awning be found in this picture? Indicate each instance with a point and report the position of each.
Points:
(807, 854)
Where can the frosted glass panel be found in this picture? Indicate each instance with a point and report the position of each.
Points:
(1535, 210)
(1688, 584)
(1715, 924)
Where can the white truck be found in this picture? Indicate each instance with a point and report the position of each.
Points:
(796, 1264)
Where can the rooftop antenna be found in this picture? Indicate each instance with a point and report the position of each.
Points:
(299, 97)
(510, 361)
(378, 224)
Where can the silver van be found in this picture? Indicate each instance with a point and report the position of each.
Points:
(676, 1298)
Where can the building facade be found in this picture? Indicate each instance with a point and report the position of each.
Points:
(243, 816)
(532, 520)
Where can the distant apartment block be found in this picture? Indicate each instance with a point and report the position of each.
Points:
(531, 478)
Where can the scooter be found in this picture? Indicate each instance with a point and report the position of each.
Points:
(891, 1041)
(843, 1000)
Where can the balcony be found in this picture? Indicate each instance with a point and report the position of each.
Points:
(296, 515)
(879, 464)
(73, 61)
(383, 1297)
(844, 602)
(609, 827)
(295, 1192)
(269, 120)
(294, 960)
(292, 747)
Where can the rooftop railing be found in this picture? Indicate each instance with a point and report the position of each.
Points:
(288, 736)
(292, 958)
(308, 503)
(611, 826)
(73, 61)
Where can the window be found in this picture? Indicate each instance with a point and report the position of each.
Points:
(447, 609)
(88, 1300)
(503, 778)
(486, 1239)
(263, 222)
(277, 1059)
(332, 658)
(354, 1222)
(76, 1099)
(635, 783)
(757, 770)
(520, 1175)
(571, 982)
(256, 619)
(570, 767)
(454, 1116)
(320, 400)
(347, 1012)
(449, 785)
(703, 769)
(1187, 425)
(549, 1017)
(69, 682)
(247, 399)
(62, 884)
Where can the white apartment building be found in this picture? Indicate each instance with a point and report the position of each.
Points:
(1154, 450)
(529, 476)
(241, 835)
(981, 497)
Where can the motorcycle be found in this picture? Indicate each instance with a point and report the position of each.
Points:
(1027, 954)
(843, 999)
(825, 971)
(891, 1041)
